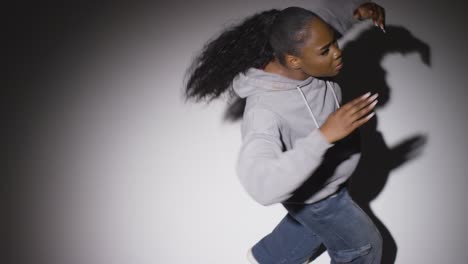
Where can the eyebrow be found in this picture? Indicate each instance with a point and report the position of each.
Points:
(327, 45)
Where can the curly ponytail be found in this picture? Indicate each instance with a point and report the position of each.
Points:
(254, 43)
(236, 50)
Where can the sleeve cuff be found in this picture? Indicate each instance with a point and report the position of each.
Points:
(317, 142)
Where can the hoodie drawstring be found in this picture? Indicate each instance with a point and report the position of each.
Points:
(334, 94)
(308, 106)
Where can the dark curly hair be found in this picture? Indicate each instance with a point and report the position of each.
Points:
(253, 43)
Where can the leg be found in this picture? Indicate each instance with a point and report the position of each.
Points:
(290, 242)
(346, 231)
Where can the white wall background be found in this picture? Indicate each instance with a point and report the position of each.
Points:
(123, 171)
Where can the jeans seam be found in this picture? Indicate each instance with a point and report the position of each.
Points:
(372, 224)
(368, 218)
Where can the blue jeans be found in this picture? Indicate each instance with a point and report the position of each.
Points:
(337, 222)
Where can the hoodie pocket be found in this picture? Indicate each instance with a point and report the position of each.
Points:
(348, 255)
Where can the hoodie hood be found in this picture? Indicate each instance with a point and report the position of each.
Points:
(255, 81)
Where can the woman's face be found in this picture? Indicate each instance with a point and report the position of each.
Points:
(320, 56)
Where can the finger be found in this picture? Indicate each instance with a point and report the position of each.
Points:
(364, 111)
(374, 20)
(358, 103)
(349, 105)
(373, 13)
(362, 121)
(381, 18)
(358, 110)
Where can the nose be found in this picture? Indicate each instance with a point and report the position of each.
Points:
(337, 53)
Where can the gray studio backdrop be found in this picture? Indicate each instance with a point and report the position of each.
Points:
(119, 169)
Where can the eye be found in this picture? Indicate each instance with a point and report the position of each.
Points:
(326, 51)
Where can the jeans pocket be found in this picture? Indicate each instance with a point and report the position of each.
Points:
(348, 255)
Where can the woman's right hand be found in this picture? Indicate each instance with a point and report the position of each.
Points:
(348, 117)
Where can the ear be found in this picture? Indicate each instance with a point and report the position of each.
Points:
(293, 62)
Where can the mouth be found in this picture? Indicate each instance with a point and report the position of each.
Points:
(339, 66)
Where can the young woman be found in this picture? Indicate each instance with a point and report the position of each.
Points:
(299, 145)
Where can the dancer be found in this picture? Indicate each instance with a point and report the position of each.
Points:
(299, 145)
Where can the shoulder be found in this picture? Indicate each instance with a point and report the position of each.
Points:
(260, 119)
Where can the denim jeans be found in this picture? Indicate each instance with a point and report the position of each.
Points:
(337, 222)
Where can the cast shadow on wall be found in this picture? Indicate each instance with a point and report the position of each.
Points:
(362, 58)
(378, 159)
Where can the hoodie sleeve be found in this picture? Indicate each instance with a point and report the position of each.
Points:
(337, 13)
(268, 173)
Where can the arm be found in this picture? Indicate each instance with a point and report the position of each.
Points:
(268, 174)
(337, 13)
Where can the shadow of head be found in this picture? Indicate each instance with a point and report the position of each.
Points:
(363, 56)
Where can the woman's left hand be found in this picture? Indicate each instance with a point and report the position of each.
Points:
(372, 11)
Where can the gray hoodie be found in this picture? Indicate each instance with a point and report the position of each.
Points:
(284, 158)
